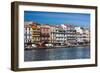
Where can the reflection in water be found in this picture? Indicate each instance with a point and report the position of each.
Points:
(57, 54)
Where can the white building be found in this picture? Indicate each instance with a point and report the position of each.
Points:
(70, 33)
(79, 30)
(58, 35)
(83, 35)
(27, 32)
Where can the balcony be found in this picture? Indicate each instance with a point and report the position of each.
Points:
(36, 35)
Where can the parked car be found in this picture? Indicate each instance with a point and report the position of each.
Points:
(33, 46)
(49, 45)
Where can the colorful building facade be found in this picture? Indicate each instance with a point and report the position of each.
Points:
(57, 35)
(45, 33)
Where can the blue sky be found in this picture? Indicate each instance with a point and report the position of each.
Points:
(77, 19)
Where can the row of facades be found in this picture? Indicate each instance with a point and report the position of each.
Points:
(63, 34)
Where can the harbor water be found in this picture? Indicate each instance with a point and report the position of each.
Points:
(57, 54)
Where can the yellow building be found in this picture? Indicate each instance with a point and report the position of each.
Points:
(35, 33)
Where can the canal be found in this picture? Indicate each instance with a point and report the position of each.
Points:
(57, 54)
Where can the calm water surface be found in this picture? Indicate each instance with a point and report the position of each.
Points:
(57, 54)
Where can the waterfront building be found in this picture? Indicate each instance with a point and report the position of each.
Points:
(86, 36)
(58, 36)
(27, 32)
(83, 35)
(52, 34)
(70, 34)
(45, 33)
(35, 32)
(31, 32)
(79, 35)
